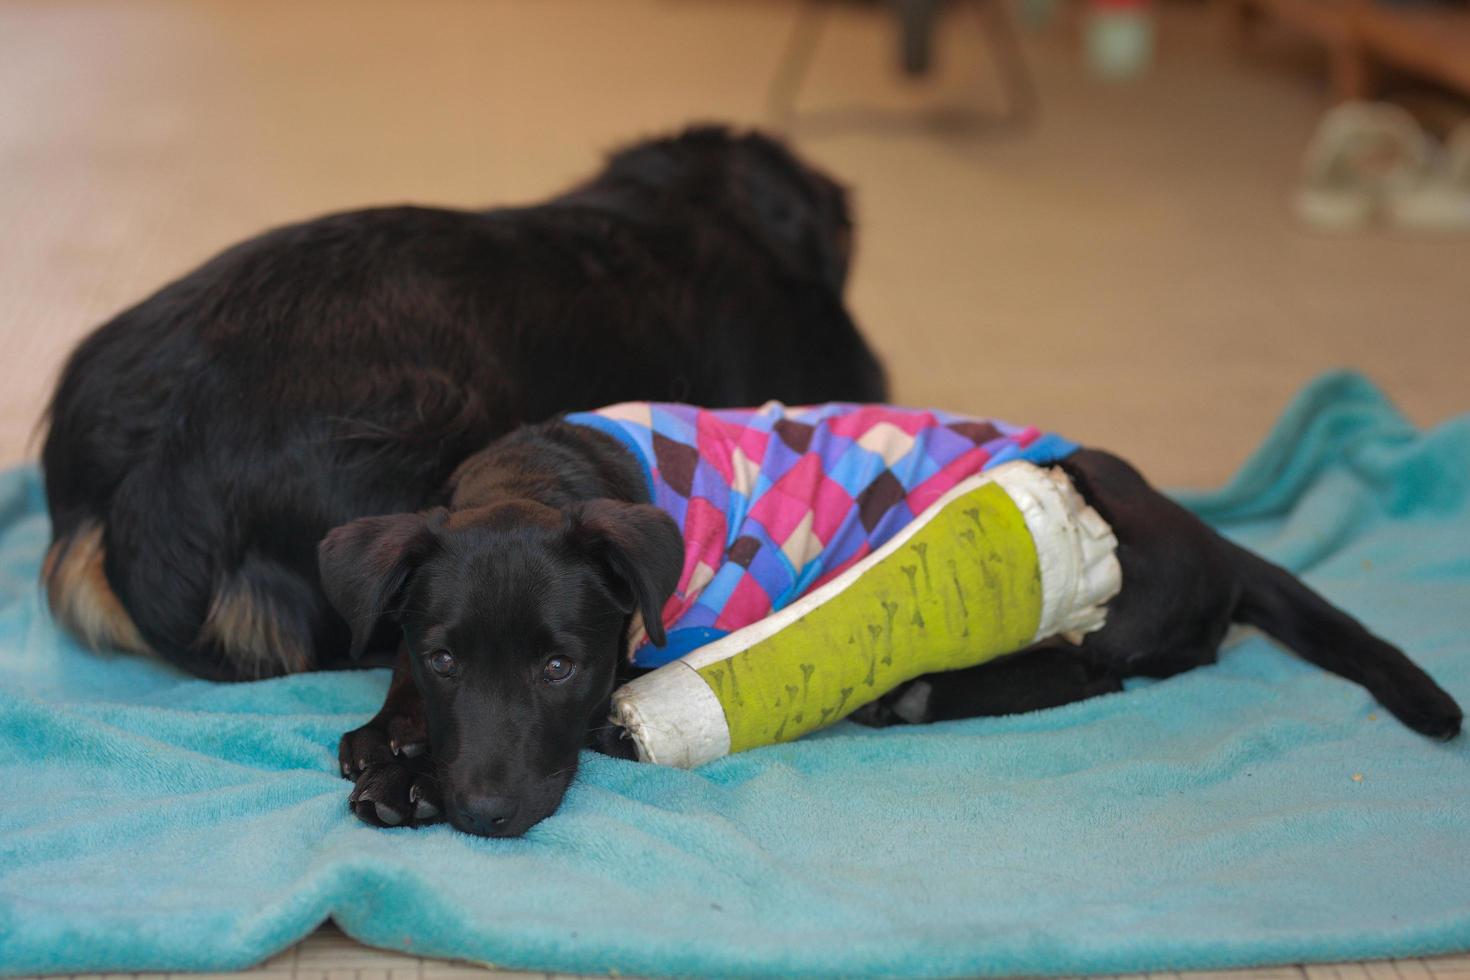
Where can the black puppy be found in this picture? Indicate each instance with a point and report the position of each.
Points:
(515, 606)
(202, 442)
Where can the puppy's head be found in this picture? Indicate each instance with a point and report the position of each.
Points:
(515, 618)
(796, 212)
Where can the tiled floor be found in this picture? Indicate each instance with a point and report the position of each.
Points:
(1126, 272)
(329, 955)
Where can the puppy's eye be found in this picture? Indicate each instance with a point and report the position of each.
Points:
(558, 669)
(441, 662)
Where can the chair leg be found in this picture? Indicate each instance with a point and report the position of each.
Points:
(1020, 103)
(1352, 73)
(796, 59)
(1010, 61)
(916, 23)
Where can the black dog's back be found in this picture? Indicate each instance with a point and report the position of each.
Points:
(202, 442)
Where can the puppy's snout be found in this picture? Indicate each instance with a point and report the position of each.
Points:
(488, 816)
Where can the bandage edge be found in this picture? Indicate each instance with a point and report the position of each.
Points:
(689, 728)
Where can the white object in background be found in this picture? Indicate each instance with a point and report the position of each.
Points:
(1440, 199)
(1362, 155)
(1119, 38)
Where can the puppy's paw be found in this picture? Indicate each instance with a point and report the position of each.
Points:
(875, 714)
(397, 795)
(907, 704)
(1429, 710)
(378, 743)
(362, 750)
(613, 740)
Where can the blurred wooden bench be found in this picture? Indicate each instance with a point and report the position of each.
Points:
(1432, 41)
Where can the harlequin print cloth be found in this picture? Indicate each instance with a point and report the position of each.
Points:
(774, 501)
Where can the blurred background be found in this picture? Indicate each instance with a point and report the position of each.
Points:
(1082, 214)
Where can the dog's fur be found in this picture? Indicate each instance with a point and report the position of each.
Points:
(202, 442)
(550, 548)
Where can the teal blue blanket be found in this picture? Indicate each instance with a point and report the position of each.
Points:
(1259, 811)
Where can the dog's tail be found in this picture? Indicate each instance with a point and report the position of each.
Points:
(147, 575)
(82, 599)
(146, 555)
(1281, 605)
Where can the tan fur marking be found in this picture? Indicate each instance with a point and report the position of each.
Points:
(249, 636)
(81, 598)
(637, 633)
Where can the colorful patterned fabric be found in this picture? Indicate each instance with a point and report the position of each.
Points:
(774, 501)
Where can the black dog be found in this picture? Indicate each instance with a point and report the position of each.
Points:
(515, 604)
(202, 442)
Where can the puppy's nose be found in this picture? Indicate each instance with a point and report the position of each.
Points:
(488, 816)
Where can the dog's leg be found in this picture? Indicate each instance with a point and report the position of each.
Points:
(396, 731)
(388, 759)
(1183, 585)
(1278, 603)
(1044, 676)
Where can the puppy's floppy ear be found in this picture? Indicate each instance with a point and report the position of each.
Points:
(365, 563)
(642, 552)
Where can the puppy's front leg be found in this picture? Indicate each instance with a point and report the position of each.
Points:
(389, 761)
(397, 730)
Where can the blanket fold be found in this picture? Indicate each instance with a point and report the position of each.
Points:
(1258, 811)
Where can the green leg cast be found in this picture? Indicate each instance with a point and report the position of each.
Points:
(1006, 558)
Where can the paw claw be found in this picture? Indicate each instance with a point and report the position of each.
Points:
(394, 792)
(424, 808)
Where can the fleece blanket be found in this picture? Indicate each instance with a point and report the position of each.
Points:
(1254, 812)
